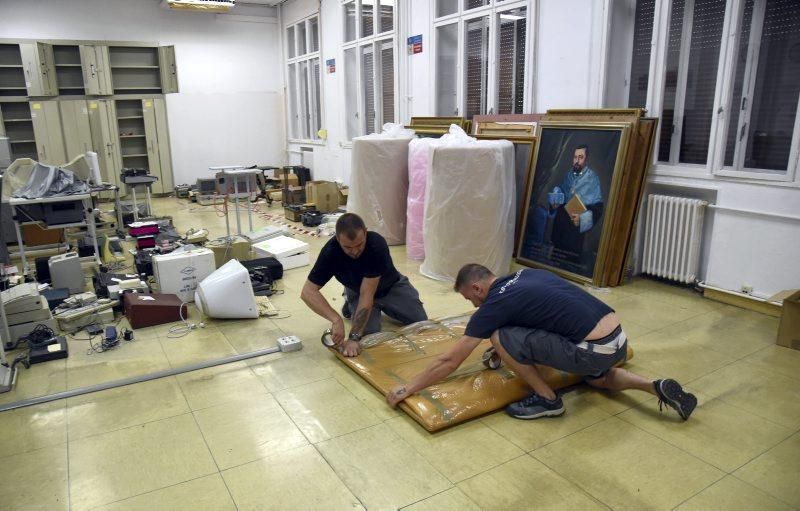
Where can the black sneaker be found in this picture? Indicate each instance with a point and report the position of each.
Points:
(535, 406)
(346, 311)
(670, 392)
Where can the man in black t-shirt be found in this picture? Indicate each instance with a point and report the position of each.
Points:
(534, 317)
(360, 260)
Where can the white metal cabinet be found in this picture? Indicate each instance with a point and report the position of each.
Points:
(96, 70)
(105, 139)
(39, 66)
(46, 120)
(168, 68)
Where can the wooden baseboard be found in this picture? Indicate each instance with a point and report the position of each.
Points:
(744, 302)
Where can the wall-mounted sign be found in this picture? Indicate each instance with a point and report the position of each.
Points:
(331, 65)
(415, 44)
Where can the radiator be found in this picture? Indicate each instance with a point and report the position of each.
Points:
(673, 234)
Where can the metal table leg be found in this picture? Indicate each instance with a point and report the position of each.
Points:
(236, 199)
(20, 242)
(135, 207)
(91, 227)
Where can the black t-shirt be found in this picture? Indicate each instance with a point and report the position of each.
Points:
(374, 261)
(537, 299)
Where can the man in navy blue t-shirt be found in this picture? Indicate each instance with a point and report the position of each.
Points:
(360, 260)
(534, 317)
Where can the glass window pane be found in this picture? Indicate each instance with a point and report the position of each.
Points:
(290, 50)
(387, 15)
(351, 93)
(511, 61)
(698, 107)
(738, 82)
(301, 38)
(640, 61)
(476, 66)
(777, 85)
(294, 115)
(350, 22)
(671, 79)
(367, 18)
(447, 70)
(316, 125)
(303, 100)
(445, 7)
(472, 4)
(368, 86)
(387, 81)
(314, 34)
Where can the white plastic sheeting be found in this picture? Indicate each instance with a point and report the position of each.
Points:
(470, 206)
(379, 181)
(419, 162)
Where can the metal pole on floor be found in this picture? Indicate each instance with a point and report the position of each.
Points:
(137, 379)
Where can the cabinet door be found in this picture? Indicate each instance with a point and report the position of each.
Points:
(151, 138)
(75, 127)
(96, 70)
(164, 151)
(169, 71)
(103, 124)
(47, 131)
(40, 69)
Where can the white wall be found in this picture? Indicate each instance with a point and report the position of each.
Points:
(230, 106)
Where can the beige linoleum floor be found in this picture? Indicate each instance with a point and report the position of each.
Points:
(300, 431)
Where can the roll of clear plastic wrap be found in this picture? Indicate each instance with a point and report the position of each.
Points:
(379, 182)
(419, 162)
(470, 207)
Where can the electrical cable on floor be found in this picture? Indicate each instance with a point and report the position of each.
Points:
(176, 332)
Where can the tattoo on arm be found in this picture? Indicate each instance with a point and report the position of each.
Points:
(360, 320)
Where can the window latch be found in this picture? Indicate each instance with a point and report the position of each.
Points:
(741, 133)
(744, 103)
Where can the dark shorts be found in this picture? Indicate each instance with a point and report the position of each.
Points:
(531, 346)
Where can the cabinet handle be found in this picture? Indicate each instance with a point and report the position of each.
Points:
(94, 71)
(44, 151)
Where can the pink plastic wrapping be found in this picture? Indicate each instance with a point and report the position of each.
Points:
(419, 161)
(379, 182)
(470, 206)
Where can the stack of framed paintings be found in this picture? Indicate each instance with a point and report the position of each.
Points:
(583, 194)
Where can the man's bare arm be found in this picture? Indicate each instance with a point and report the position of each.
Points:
(316, 302)
(441, 367)
(366, 300)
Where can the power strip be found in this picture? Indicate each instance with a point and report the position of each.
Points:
(290, 343)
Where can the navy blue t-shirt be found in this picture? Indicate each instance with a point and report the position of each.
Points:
(374, 261)
(537, 299)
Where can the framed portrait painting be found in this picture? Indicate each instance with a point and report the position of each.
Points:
(571, 197)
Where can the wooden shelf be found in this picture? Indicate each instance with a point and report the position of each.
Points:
(130, 117)
(68, 65)
(22, 141)
(134, 67)
(137, 88)
(12, 88)
(17, 120)
(134, 155)
(70, 88)
(13, 66)
(132, 136)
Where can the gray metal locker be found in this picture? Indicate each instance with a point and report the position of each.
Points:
(40, 69)
(96, 70)
(103, 124)
(168, 68)
(47, 131)
(164, 151)
(75, 126)
(151, 137)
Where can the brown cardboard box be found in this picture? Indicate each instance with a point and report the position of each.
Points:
(789, 329)
(343, 195)
(324, 194)
(33, 235)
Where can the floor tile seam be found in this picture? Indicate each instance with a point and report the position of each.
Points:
(455, 486)
(5, 457)
(117, 430)
(289, 416)
(151, 491)
(357, 430)
(696, 457)
(569, 434)
(795, 376)
(213, 458)
(779, 498)
(228, 402)
(336, 474)
(572, 482)
(687, 499)
(69, 479)
(794, 427)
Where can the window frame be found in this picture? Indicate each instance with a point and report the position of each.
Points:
(375, 41)
(492, 10)
(723, 96)
(303, 117)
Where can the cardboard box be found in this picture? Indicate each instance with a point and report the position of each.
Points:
(290, 252)
(33, 235)
(343, 192)
(179, 273)
(789, 329)
(323, 194)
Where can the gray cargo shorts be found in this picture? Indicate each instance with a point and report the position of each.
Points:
(588, 359)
